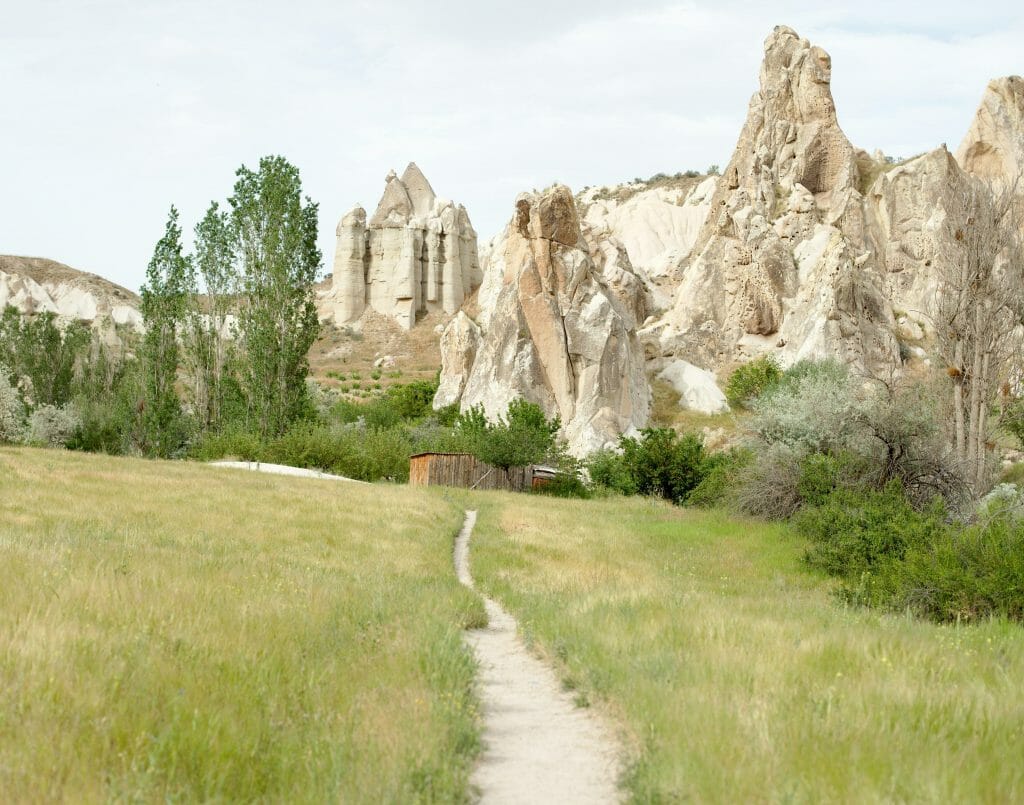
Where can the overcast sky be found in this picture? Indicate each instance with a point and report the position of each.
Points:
(111, 111)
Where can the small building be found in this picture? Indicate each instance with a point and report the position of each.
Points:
(466, 470)
(542, 476)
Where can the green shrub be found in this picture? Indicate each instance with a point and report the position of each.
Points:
(853, 532)
(233, 443)
(810, 410)
(750, 381)
(608, 471)
(522, 437)
(412, 400)
(664, 464)
(719, 473)
(565, 485)
(50, 426)
(12, 410)
(964, 574)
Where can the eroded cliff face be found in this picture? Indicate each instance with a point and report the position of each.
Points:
(417, 254)
(36, 285)
(812, 248)
(556, 333)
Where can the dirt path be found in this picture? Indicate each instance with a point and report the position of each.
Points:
(538, 746)
(281, 469)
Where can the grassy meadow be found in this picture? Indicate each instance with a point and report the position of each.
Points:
(170, 631)
(736, 675)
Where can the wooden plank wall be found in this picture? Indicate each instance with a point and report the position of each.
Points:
(466, 471)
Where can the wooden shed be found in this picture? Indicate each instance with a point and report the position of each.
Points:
(466, 470)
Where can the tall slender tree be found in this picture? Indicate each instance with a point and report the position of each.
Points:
(274, 232)
(207, 336)
(163, 310)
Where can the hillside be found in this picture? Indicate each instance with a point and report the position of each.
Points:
(36, 285)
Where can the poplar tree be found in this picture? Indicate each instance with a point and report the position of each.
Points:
(274, 230)
(163, 310)
(208, 336)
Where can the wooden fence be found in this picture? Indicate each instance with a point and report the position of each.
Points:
(465, 470)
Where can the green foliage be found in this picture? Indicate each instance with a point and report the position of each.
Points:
(750, 381)
(12, 410)
(810, 409)
(50, 426)
(164, 298)
(853, 532)
(274, 232)
(891, 555)
(231, 443)
(42, 355)
(719, 471)
(663, 463)
(208, 352)
(965, 574)
(412, 400)
(522, 437)
(608, 471)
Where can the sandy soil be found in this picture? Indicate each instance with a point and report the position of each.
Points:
(538, 746)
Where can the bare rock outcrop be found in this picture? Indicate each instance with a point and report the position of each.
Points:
(994, 145)
(417, 254)
(556, 334)
(36, 285)
(780, 263)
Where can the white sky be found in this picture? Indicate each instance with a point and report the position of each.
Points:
(112, 110)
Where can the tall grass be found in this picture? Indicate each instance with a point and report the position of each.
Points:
(738, 675)
(177, 632)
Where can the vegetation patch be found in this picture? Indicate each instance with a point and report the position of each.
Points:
(185, 633)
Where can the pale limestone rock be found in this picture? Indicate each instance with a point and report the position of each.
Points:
(657, 226)
(697, 388)
(417, 254)
(36, 285)
(459, 344)
(994, 145)
(778, 265)
(556, 334)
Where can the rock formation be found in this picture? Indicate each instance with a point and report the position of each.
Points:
(994, 145)
(36, 285)
(417, 254)
(780, 263)
(657, 224)
(555, 332)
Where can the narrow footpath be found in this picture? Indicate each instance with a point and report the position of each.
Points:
(538, 746)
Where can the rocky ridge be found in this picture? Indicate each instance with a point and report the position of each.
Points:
(813, 248)
(37, 285)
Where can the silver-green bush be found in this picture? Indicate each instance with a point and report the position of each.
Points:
(12, 410)
(50, 426)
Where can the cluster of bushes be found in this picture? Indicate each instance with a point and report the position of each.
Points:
(373, 440)
(864, 470)
(891, 555)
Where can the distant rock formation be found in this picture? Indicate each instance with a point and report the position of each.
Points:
(556, 332)
(36, 285)
(417, 254)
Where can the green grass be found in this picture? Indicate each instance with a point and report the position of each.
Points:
(170, 631)
(175, 632)
(736, 674)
